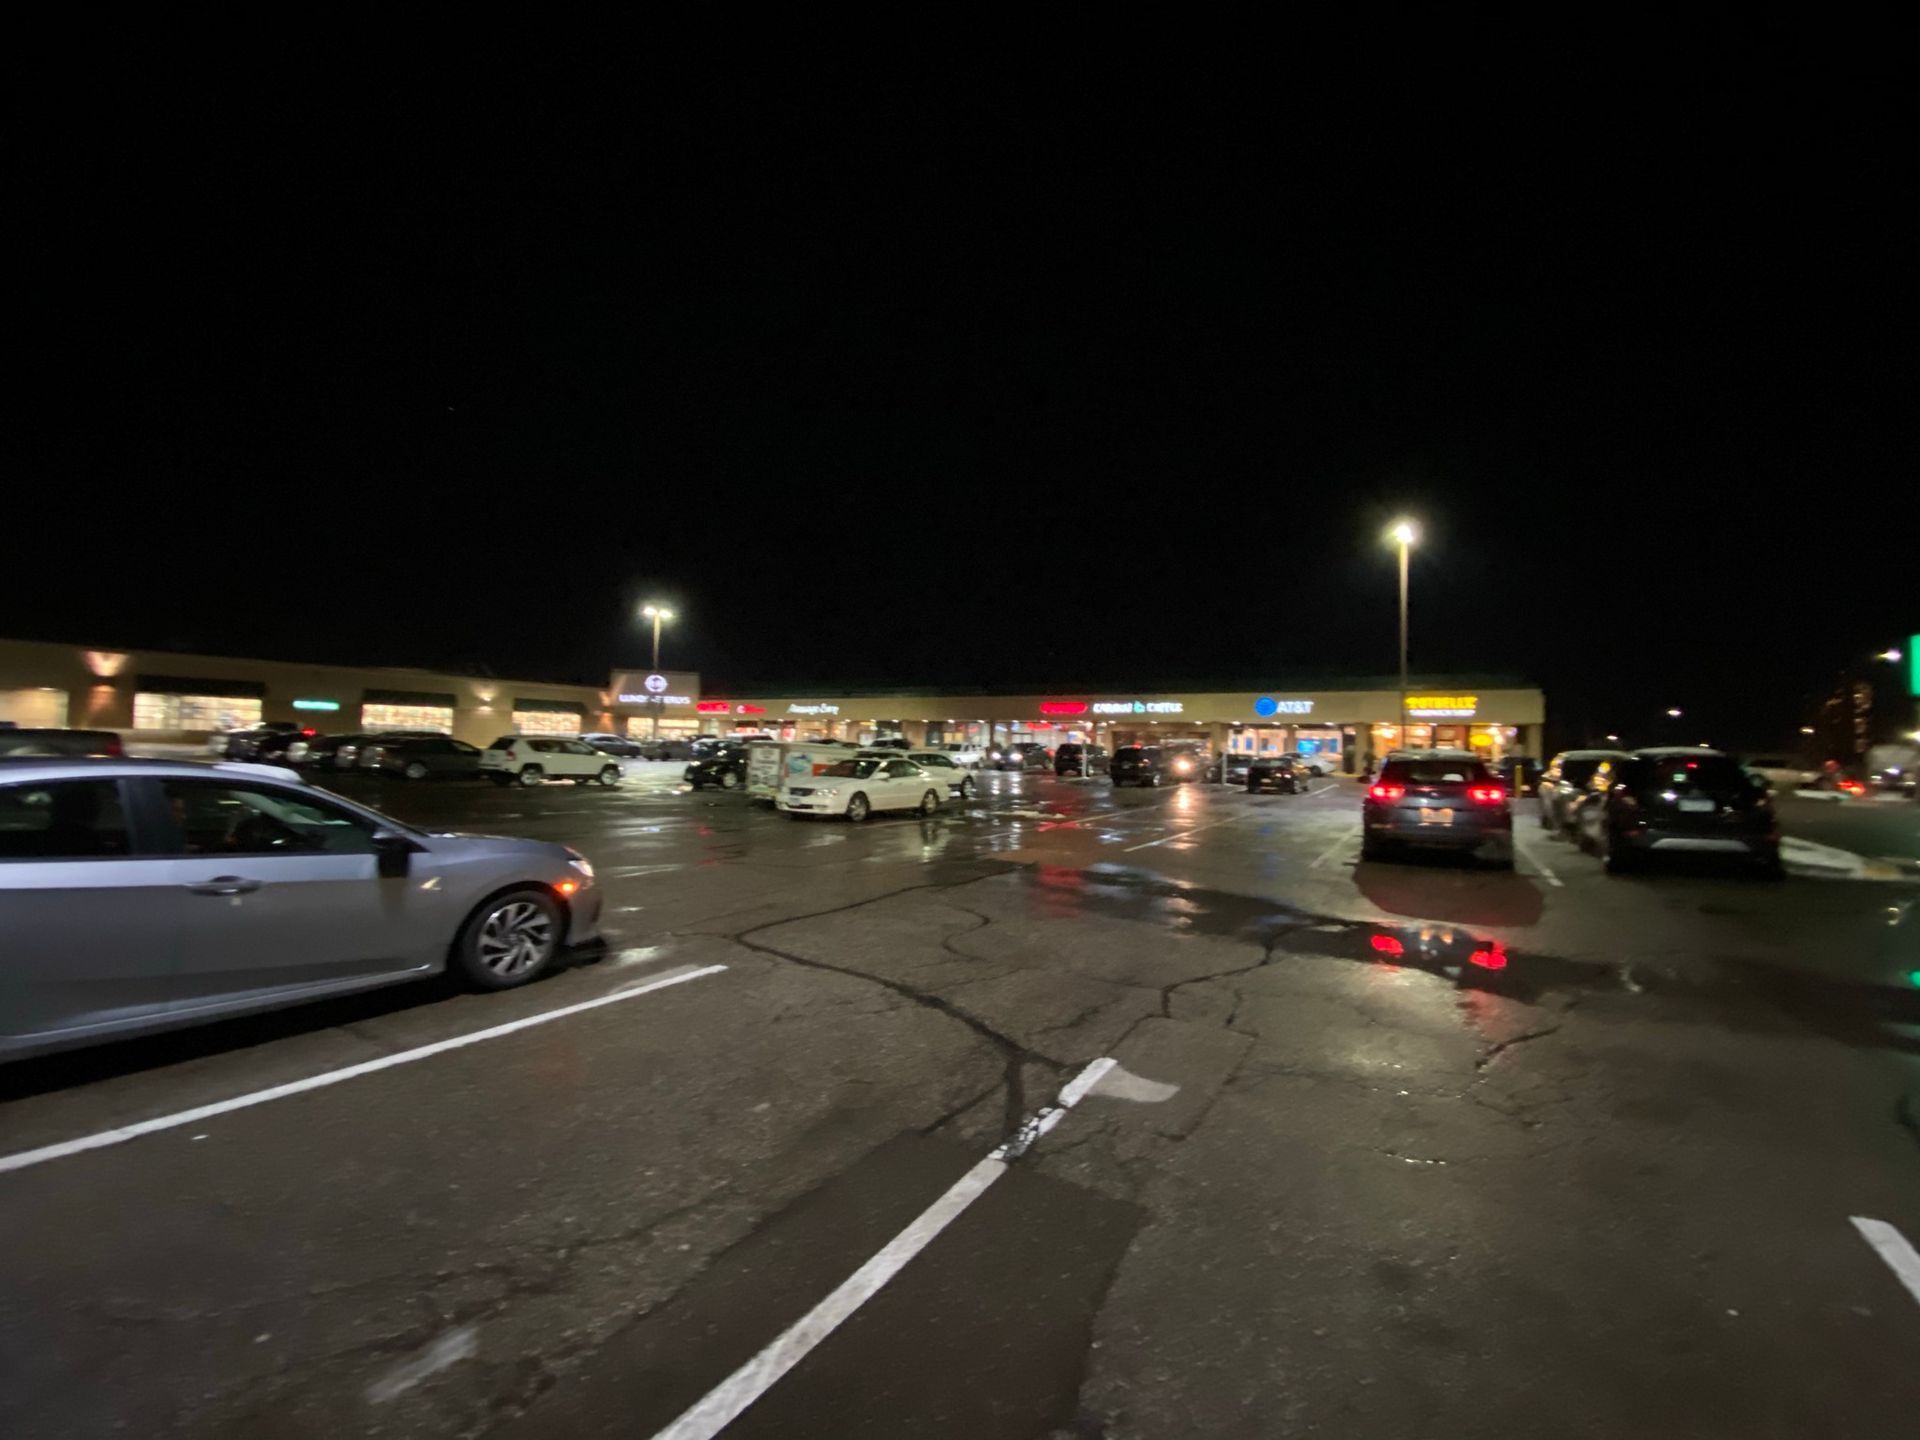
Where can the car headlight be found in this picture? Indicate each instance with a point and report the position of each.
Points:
(580, 862)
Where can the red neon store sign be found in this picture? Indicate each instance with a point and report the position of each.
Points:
(1063, 707)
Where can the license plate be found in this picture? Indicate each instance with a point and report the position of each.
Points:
(1697, 807)
(1436, 817)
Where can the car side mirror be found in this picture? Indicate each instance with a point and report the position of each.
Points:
(395, 853)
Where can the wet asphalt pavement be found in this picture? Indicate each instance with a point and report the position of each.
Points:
(1394, 1150)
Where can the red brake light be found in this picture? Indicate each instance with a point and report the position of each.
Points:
(1387, 792)
(1487, 795)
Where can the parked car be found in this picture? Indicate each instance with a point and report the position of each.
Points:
(1183, 763)
(1077, 759)
(1782, 772)
(426, 756)
(531, 759)
(942, 766)
(613, 745)
(1022, 755)
(721, 765)
(245, 744)
(1438, 798)
(1229, 769)
(1563, 786)
(1135, 765)
(1277, 773)
(43, 743)
(857, 787)
(276, 893)
(1677, 800)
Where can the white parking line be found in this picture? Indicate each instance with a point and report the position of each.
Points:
(1182, 834)
(1892, 1247)
(725, 1401)
(1332, 850)
(24, 1158)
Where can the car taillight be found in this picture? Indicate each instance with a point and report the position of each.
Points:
(1486, 795)
(1387, 792)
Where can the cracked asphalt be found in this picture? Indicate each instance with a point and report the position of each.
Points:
(1452, 1151)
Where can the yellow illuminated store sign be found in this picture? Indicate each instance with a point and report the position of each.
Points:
(1443, 707)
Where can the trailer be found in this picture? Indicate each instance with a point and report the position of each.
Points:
(772, 763)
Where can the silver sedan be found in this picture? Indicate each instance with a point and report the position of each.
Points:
(142, 895)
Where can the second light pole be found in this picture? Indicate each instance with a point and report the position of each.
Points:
(1403, 534)
(659, 614)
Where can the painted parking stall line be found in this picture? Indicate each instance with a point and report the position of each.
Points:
(1894, 1248)
(724, 1403)
(23, 1159)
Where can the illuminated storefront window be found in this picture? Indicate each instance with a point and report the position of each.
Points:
(194, 712)
(385, 716)
(545, 722)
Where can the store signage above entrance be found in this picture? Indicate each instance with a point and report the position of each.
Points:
(1138, 707)
(657, 689)
(1266, 705)
(813, 709)
(1443, 707)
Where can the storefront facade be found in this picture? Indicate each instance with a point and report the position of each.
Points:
(165, 696)
(1492, 717)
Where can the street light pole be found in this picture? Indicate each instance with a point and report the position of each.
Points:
(658, 614)
(1403, 534)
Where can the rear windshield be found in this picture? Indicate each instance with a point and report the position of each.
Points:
(1708, 772)
(1435, 772)
(852, 769)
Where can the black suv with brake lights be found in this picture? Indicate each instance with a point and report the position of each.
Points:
(1442, 799)
(1673, 801)
(1135, 765)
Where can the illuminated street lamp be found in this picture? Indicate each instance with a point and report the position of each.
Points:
(659, 614)
(1403, 534)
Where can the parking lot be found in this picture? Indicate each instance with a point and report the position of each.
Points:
(1388, 1149)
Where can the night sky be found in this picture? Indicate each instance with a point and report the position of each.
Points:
(1007, 362)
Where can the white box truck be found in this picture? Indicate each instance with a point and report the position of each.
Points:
(773, 763)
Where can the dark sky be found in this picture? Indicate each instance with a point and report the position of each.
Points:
(892, 359)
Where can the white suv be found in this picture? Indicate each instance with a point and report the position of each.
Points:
(531, 759)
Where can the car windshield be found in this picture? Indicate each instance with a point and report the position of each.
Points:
(851, 769)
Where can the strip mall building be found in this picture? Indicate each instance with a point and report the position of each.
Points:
(158, 695)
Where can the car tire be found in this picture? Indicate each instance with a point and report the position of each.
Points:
(531, 775)
(509, 940)
(609, 776)
(415, 771)
(729, 780)
(858, 809)
(930, 803)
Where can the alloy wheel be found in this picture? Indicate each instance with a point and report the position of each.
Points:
(515, 938)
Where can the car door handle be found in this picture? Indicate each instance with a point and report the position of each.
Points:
(226, 885)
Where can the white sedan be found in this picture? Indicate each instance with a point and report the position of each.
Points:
(858, 787)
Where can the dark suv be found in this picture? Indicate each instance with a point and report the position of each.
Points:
(1075, 759)
(1446, 799)
(1135, 765)
(1676, 801)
